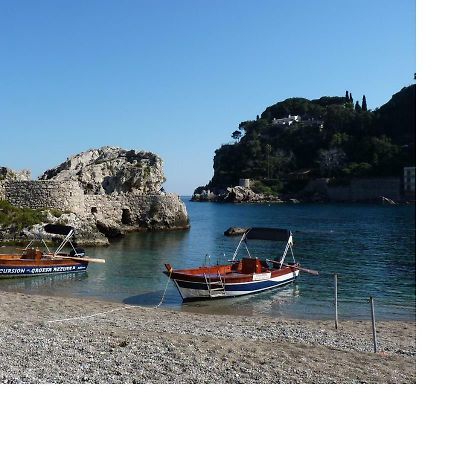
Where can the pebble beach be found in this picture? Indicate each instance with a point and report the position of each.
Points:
(46, 339)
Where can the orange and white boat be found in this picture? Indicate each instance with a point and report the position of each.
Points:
(244, 276)
(33, 261)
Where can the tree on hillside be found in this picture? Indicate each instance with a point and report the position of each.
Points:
(330, 161)
(268, 149)
(236, 135)
(353, 142)
(364, 103)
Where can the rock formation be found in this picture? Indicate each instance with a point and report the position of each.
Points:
(109, 170)
(235, 231)
(14, 175)
(236, 194)
(103, 193)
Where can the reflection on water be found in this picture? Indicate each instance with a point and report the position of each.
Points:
(36, 283)
(371, 247)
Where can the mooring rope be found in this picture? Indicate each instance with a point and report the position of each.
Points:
(115, 309)
(92, 315)
(165, 289)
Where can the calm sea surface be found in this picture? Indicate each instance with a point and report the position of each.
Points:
(371, 247)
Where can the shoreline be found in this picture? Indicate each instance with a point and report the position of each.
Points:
(46, 339)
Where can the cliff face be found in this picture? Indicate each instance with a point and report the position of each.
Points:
(104, 193)
(110, 170)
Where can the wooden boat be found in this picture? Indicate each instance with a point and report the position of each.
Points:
(33, 261)
(247, 275)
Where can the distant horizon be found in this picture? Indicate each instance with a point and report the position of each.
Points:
(177, 79)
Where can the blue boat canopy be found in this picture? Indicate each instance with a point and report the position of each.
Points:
(268, 234)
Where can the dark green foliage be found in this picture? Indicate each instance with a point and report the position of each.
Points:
(57, 212)
(18, 218)
(293, 106)
(236, 135)
(352, 142)
(355, 170)
(262, 188)
(364, 103)
(397, 118)
(327, 101)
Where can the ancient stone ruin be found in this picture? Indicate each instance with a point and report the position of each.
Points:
(103, 192)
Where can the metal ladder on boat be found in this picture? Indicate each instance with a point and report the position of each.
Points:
(216, 288)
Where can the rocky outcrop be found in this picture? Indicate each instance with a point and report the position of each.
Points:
(109, 170)
(236, 194)
(110, 228)
(204, 195)
(235, 231)
(86, 231)
(104, 193)
(166, 212)
(7, 174)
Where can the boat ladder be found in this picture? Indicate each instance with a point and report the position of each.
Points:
(216, 287)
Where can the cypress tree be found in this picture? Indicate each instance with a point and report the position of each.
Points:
(351, 98)
(357, 107)
(364, 103)
(347, 99)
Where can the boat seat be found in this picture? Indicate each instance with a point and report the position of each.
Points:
(32, 253)
(251, 265)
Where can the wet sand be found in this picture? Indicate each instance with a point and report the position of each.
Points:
(47, 339)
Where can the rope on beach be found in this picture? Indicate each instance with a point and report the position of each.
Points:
(112, 310)
(92, 315)
(165, 289)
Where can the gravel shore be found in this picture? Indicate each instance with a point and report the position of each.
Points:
(68, 340)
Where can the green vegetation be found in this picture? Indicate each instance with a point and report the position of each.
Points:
(18, 218)
(334, 138)
(57, 212)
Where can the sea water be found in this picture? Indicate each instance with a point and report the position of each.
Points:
(370, 247)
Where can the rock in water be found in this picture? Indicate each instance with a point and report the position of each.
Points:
(122, 191)
(103, 193)
(240, 194)
(235, 231)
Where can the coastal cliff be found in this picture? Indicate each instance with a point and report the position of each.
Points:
(111, 170)
(296, 142)
(104, 193)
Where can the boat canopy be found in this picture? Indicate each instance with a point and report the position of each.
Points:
(268, 234)
(58, 229)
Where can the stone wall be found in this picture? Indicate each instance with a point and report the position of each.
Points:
(65, 196)
(367, 189)
(153, 211)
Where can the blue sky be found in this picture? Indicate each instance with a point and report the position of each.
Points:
(177, 77)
